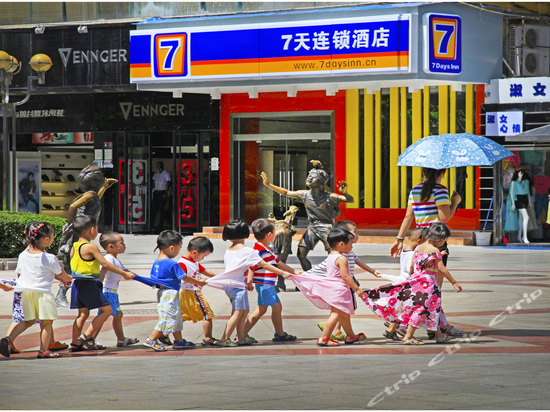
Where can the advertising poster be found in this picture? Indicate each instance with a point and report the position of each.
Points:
(83, 137)
(28, 185)
(52, 138)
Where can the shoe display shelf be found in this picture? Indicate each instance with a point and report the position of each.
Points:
(59, 184)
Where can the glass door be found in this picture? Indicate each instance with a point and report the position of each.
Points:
(281, 145)
(133, 174)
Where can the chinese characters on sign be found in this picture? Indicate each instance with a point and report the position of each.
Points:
(375, 44)
(40, 113)
(519, 90)
(503, 123)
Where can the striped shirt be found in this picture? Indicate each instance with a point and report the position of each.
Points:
(263, 276)
(426, 212)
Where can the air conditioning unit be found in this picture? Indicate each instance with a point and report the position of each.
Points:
(529, 50)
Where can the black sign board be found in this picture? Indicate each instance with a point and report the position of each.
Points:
(135, 111)
(99, 58)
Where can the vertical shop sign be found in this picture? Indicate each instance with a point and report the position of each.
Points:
(187, 193)
(503, 123)
(135, 195)
(442, 44)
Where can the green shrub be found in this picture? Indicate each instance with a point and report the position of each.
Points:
(12, 226)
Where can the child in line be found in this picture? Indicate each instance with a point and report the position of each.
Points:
(87, 290)
(170, 273)
(353, 260)
(405, 261)
(416, 303)
(334, 291)
(194, 306)
(113, 244)
(37, 269)
(238, 256)
(264, 232)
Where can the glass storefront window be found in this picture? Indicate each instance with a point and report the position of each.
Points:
(282, 145)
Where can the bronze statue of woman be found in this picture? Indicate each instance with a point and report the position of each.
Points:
(321, 208)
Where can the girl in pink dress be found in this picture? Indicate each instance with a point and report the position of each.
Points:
(333, 291)
(416, 303)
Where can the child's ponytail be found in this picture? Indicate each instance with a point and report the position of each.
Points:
(437, 232)
(36, 231)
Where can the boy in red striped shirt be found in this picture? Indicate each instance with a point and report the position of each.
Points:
(264, 232)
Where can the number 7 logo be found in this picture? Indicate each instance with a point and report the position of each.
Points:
(170, 55)
(444, 38)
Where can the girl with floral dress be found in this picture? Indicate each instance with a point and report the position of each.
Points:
(416, 303)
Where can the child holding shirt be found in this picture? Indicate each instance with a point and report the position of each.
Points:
(37, 270)
(113, 244)
(169, 274)
(194, 306)
(240, 257)
(264, 232)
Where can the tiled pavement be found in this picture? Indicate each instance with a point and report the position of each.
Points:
(504, 363)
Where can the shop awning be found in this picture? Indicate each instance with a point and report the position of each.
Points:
(540, 134)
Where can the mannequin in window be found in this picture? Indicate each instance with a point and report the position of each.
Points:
(521, 199)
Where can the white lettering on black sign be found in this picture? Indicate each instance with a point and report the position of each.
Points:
(92, 56)
(151, 110)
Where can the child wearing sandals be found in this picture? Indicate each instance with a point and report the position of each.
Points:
(416, 303)
(37, 269)
(264, 280)
(87, 289)
(406, 263)
(353, 260)
(334, 291)
(169, 274)
(238, 256)
(194, 306)
(113, 244)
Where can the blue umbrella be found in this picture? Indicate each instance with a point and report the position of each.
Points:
(453, 150)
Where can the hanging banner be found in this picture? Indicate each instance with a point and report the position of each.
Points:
(378, 44)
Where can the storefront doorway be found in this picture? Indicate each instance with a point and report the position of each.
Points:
(158, 182)
(282, 145)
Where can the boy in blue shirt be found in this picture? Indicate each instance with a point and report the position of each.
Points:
(169, 274)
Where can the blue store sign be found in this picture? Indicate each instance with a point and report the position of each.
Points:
(443, 44)
(344, 46)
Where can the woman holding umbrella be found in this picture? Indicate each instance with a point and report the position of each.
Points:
(429, 202)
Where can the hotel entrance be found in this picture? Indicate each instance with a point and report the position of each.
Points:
(282, 145)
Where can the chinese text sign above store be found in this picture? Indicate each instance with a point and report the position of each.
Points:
(519, 90)
(503, 123)
(346, 46)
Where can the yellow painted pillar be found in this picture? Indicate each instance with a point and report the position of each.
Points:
(394, 147)
(443, 103)
(403, 146)
(368, 157)
(416, 131)
(378, 149)
(452, 129)
(426, 112)
(470, 179)
(352, 145)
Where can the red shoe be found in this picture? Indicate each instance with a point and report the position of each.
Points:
(14, 350)
(58, 346)
(360, 338)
